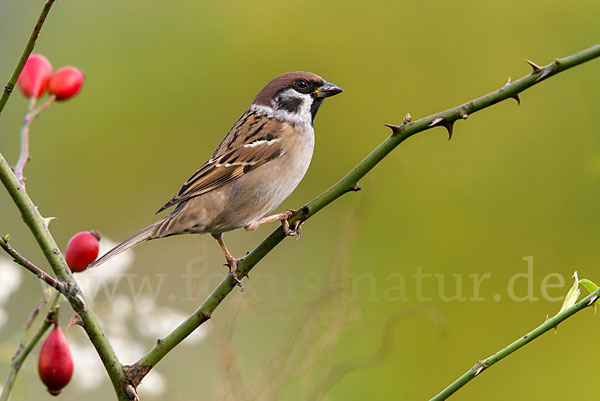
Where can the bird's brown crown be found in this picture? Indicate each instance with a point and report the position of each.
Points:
(283, 81)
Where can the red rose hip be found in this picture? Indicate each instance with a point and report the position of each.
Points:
(82, 250)
(55, 364)
(35, 75)
(65, 83)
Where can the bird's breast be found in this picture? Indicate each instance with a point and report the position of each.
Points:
(283, 175)
(258, 192)
(266, 187)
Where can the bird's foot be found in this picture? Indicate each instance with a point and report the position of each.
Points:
(283, 217)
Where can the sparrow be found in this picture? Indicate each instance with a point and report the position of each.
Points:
(258, 164)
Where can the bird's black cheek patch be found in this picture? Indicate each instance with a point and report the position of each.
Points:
(290, 104)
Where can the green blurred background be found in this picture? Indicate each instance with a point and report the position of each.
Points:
(166, 80)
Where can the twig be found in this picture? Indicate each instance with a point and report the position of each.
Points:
(400, 133)
(24, 154)
(42, 275)
(549, 324)
(30, 115)
(26, 52)
(23, 350)
(44, 106)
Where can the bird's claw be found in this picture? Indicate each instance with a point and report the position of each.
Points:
(294, 229)
(232, 264)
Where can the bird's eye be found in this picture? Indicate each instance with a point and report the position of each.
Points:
(301, 84)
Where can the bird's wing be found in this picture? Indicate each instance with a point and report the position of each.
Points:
(253, 141)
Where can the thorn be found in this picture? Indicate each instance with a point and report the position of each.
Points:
(47, 221)
(536, 68)
(396, 129)
(356, 188)
(449, 126)
(507, 82)
(442, 121)
(75, 321)
(593, 299)
(544, 74)
(407, 118)
(516, 97)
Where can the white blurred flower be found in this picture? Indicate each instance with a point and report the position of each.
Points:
(129, 351)
(154, 384)
(89, 373)
(119, 316)
(154, 321)
(10, 277)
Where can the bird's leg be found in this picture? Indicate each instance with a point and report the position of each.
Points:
(231, 261)
(283, 217)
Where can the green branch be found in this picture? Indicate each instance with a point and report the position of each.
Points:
(400, 133)
(548, 325)
(25, 347)
(8, 88)
(37, 225)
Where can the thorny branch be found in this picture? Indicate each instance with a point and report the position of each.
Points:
(37, 225)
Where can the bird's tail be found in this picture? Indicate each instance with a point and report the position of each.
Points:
(148, 233)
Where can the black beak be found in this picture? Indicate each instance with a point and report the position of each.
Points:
(327, 89)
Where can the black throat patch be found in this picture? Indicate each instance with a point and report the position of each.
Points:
(315, 106)
(290, 104)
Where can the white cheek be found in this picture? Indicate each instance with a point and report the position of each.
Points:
(304, 110)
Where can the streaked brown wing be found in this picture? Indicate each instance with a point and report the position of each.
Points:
(252, 141)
